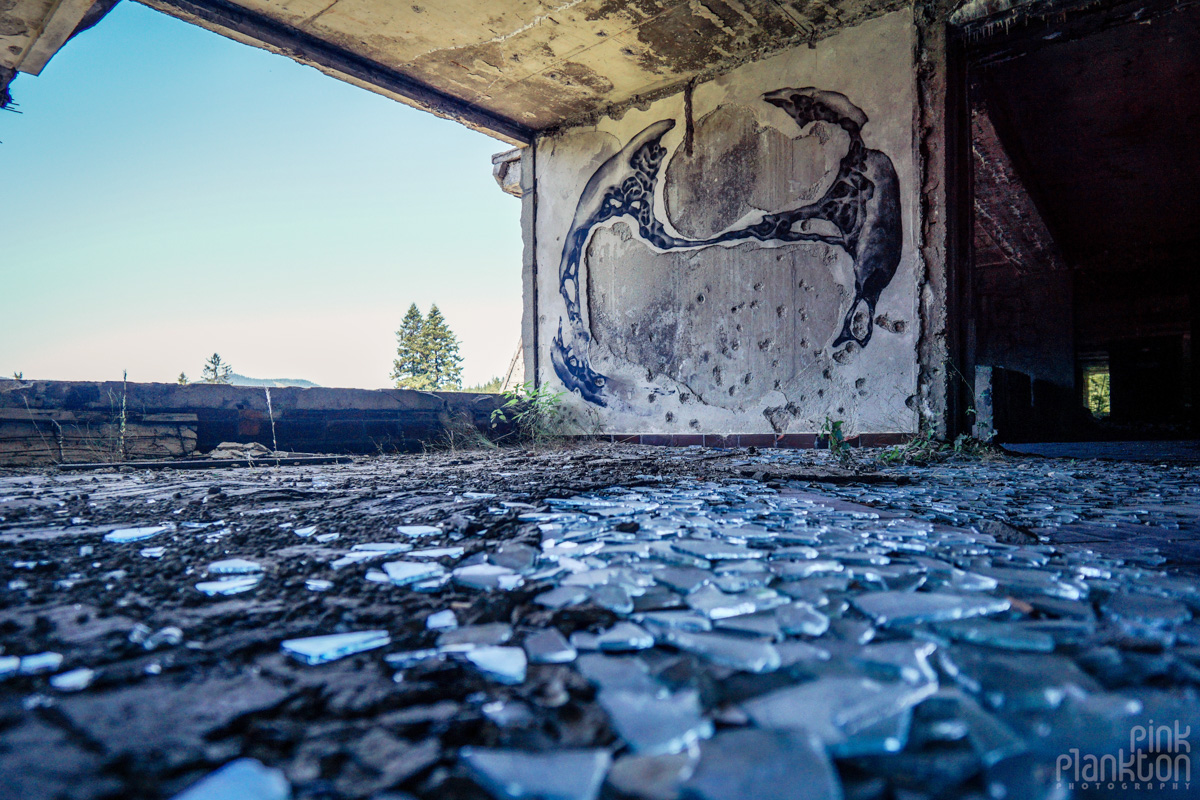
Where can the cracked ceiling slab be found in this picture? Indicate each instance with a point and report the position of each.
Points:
(516, 67)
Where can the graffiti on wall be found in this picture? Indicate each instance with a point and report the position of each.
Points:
(859, 213)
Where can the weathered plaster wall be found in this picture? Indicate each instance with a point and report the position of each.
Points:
(750, 266)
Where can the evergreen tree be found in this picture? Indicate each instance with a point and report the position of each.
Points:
(410, 369)
(441, 345)
(216, 371)
(182, 380)
(426, 352)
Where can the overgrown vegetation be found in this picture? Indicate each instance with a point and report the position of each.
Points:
(926, 448)
(490, 387)
(1098, 386)
(535, 412)
(460, 433)
(426, 352)
(835, 441)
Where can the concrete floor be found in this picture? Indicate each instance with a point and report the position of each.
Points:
(631, 622)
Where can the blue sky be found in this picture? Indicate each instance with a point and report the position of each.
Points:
(172, 193)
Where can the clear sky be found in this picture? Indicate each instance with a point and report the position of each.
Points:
(170, 193)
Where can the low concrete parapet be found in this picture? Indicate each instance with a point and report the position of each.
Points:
(47, 422)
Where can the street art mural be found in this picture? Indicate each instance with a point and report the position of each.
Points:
(859, 214)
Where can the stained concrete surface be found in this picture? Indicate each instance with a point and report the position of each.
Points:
(1089, 609)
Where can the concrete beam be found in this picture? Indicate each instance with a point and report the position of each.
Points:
(59, 24)
(256, 29)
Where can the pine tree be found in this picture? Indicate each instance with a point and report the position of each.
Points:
(216, 371)
(410, 369)
(182, 380)
(445, 364)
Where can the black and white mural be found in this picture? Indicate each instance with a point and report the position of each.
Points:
(746, 261)
(859, 213)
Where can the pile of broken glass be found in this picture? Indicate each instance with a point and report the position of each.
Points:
(772, 644)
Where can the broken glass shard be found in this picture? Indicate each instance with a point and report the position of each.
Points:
(433, 584)
(323, 649)
(713, 549)
(624, 636)
(305, 532)
(652, 777)
(727, 650)
(501, 664)
(487, 577)
(75, 680)
(614, 598)
(41, 662)
(234, 566)
(437, 552)
(683, 579)
(714, 603)
(402, 573)
(681, 620)
(418, 531)
(516, 556)
(837, 709)
(153, 552)
(520, 775)
(906, 661)
(411, 658)
(123, 535)
(905, 608)
(793, 570)
(469, 637)
(318, 585)
(801, 619)
(441, 621)
(656, 723)
(763, 625)
(763, 765)
(1141, 611)
(227, 586)
(152, 640)
(381, 548)
(1005, 635)
(243, 779)
(991, 738)
(514, 714)
(548, 646)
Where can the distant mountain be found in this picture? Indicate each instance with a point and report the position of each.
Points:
(274, 383)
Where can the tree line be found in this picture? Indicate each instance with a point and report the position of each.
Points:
(427, 357)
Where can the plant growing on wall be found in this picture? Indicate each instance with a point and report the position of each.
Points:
(536, 412)
(216, 371)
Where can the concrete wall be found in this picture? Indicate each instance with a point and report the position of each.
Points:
(742, 257)
(43, 422)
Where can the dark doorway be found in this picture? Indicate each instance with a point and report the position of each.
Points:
(1080, 285)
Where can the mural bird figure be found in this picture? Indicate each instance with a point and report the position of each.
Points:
(862, 203)
(622, 186)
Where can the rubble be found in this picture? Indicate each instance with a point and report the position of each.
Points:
(669, 629)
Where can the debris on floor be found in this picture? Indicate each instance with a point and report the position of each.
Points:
(599, 622)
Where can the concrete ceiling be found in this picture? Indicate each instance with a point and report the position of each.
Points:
(510, 67)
